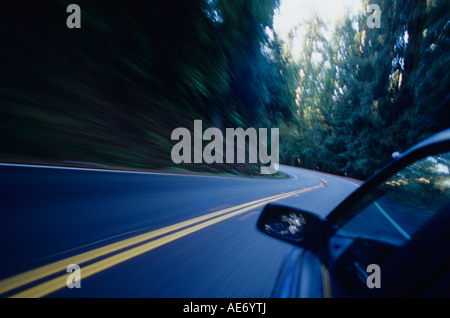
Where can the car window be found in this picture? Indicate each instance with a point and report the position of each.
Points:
(386, 218)
(396, 209)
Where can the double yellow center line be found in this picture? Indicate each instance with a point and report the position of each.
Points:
(123, 250)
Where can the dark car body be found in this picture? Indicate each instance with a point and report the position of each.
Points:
(389, 238)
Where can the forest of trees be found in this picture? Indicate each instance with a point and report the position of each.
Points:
(113, 91)
(373, 91)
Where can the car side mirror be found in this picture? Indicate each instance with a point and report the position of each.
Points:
(295, 226)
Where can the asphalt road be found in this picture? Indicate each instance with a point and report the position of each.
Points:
(146, 234)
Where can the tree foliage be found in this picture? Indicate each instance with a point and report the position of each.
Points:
(113, 91)
(371, 91)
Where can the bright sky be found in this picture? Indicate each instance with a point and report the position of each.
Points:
(293, 12)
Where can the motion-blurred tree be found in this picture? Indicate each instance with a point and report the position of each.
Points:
(369, 91)
(113, 91)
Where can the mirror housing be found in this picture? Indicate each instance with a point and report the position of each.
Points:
(295, 226)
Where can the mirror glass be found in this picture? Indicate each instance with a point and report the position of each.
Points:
(284, 222)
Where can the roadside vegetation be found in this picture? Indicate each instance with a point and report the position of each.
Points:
(112, 92)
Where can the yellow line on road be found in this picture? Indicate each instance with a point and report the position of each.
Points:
(59, 282)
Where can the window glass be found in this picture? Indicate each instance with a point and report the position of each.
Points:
(386, 218)
(396, 209)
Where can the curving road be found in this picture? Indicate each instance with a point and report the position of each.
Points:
(139, 234)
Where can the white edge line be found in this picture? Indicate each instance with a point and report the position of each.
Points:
(394, 224)
(104, 170)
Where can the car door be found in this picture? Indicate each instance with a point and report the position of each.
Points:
(390, 238)
(394, 240)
